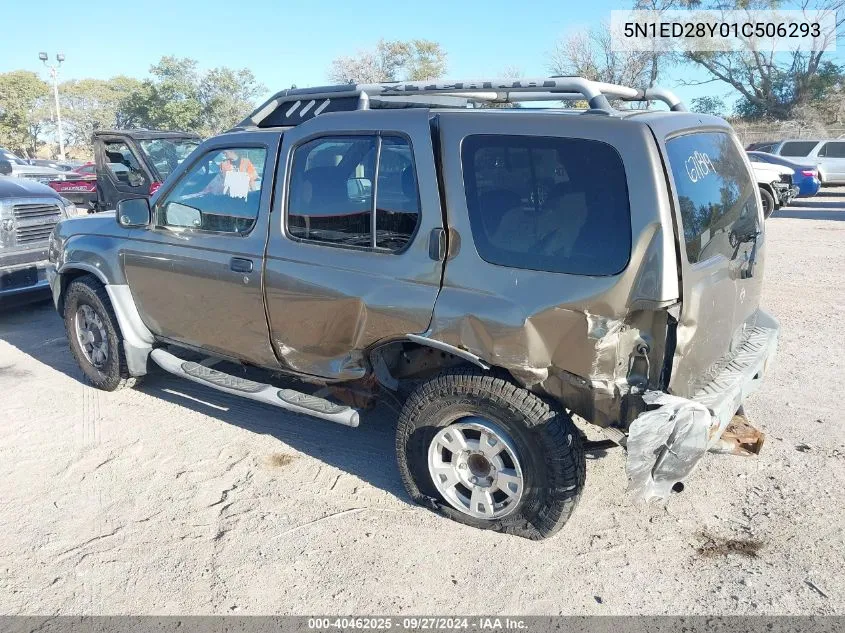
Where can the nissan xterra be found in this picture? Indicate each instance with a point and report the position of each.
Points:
(496, 271)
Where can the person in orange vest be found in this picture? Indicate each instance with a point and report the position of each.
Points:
(233, 161)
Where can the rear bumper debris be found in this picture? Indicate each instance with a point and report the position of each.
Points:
(666, 442)
(740, 438)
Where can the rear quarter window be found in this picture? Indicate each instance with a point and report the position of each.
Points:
(798, 148)
(547, 203)
(833, 150)
(715, 193)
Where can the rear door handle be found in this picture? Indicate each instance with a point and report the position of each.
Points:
(240, 265)
(437, 245)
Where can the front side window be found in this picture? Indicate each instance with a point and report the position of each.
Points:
(547, 203)
(358, 191)
(220, 193)
(798, 148)
(715, 194)
(123, 165)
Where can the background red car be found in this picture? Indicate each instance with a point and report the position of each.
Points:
(79, 186)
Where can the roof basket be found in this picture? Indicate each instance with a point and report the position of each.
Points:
(293, 106)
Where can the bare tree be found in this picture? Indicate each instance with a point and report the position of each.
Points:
(413, 60)
(657, 60)
(591, 55)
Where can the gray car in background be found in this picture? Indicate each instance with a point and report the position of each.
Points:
(28, 213)
(19, 168)
(829, 155)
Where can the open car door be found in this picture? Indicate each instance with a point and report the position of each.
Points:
(120, 172)
(134, 163)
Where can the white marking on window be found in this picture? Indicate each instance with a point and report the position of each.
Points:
(322, 107)
(293, 108)
(307, 107)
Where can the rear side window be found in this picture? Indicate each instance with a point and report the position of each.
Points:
(547, 203)
(833, 150)
(358, 191)
(797, 148)
(715, 194)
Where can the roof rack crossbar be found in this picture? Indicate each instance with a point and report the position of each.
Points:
(595, 93)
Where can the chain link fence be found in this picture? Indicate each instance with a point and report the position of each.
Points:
(758, 132)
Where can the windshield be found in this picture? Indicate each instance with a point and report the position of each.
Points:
(166, 154)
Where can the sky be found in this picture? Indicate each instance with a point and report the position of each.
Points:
(287, 43)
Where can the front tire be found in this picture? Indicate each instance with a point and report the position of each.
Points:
(94, 335)
(482, 451)
(768, 201)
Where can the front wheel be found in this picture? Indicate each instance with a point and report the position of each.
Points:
(483, 451)
(94, 335)
(768, 202)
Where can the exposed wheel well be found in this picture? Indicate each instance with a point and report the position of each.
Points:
(406, 360)
(768, 188)
(65, 279)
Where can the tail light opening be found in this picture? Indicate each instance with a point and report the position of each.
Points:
(154, 186)
(809, 172)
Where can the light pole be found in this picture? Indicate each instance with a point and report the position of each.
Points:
(54, 73)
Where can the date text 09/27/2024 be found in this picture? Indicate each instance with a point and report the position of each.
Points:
(418, 623)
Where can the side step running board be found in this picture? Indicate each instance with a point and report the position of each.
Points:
(287, 399)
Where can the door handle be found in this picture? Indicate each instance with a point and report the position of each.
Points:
(240, 265)
(437, 245)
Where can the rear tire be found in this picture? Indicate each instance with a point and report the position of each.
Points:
(535, 438)
(768, 201)
(94, 335)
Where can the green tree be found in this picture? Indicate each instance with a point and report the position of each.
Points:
(226, 97)
(94, 104)
(412, 60)
(773, 84)
(708, 105)
(178, 97)
(170, 98)
(22, 98)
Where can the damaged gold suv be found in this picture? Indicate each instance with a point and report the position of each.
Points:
(497, 271)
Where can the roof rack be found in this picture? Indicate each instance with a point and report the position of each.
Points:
(293, 106)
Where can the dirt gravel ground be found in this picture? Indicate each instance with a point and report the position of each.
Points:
(176, 499)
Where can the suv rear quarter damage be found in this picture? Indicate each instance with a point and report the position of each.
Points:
(589, 361)
(588, 340)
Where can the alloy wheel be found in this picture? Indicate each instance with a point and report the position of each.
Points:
(91, 334)
(474, 465)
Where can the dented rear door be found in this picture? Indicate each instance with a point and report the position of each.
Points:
(348, 260)
(718, 212)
